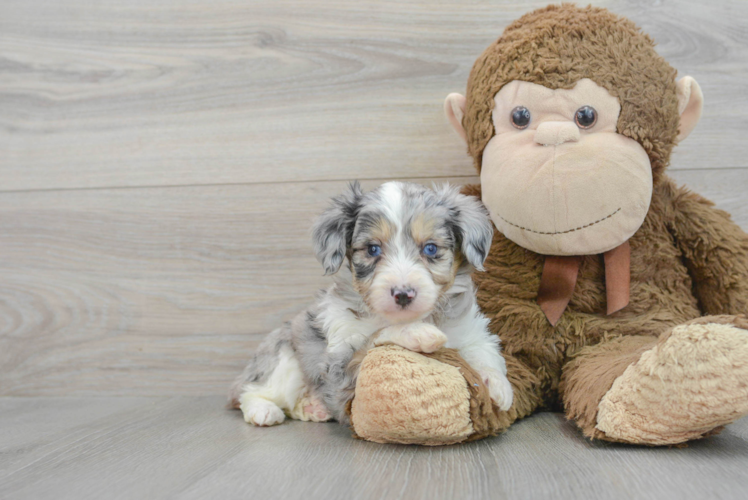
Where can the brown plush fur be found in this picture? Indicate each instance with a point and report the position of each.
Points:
(687, 259)
(559, 45)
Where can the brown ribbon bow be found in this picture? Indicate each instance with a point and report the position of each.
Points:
(560, 276)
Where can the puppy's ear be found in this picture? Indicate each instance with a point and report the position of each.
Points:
(333, 230)
(471, 224)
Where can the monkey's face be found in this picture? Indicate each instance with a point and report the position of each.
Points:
(557, 178)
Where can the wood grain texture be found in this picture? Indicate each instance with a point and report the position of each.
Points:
(188, 447)
(165, 93)
(160, 291)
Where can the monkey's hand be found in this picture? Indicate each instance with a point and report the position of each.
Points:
(418, 337)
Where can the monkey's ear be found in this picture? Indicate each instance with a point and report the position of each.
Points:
(690, 103)
(454, 107)
(333, 230)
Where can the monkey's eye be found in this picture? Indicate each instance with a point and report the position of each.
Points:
(586, 117)
(374, 250)
(520, 117)
(430, 250)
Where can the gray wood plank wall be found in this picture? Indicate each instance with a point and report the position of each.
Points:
(160, 162)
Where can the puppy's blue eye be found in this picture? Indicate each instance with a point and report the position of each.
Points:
(429, 250)
(374, 250)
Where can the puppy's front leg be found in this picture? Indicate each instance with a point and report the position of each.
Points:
(483, 355)
(418, 337)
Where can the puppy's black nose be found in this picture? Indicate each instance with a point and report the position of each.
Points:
(403, 296)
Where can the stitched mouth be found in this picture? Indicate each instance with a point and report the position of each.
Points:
(560, 232)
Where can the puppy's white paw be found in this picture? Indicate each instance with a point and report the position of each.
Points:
(261, 412)
(426, 337)
(418, 337)
(499, 388)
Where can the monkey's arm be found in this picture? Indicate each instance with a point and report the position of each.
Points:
(715, 250)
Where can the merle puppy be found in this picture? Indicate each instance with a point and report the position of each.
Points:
(410, 252)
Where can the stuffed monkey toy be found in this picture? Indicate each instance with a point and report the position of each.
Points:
(618, 296)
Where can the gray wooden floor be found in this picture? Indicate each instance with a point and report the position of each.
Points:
(190, 447)
(160, 163)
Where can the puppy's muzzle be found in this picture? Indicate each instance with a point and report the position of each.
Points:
(403, 296)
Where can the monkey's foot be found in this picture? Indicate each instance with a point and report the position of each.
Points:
(692, 382)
